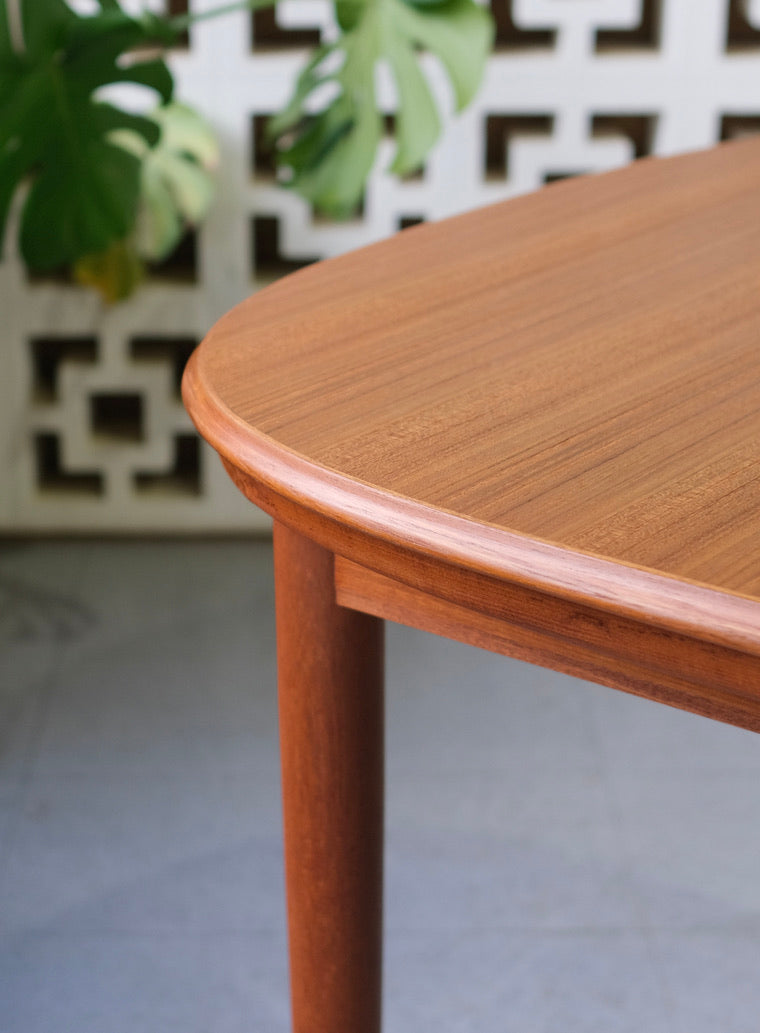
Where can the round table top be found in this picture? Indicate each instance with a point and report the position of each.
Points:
(561, 390)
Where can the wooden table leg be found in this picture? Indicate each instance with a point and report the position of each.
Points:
(330, 674)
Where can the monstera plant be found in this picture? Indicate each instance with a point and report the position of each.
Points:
(106, 189)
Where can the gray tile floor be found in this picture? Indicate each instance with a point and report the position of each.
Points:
(561, 858)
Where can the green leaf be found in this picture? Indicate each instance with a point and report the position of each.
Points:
(458, 32)
(308, 80)
(112, 32)
(117, 31)
(327, 154)
(334, 178)
(81, 207)
(105, 118)
(159, 223)
(318, 135)
(26, 112)
(43, 25)
(184, 131)
(417, 121)
(176, 185)
(190, 186)
(55, 134)
(153, 74)
(115, 273)
(94, 56)
(348, 14)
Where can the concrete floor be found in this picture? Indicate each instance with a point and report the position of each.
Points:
(561, 858)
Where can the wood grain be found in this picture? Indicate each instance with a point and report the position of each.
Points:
(625, 654)
(560, 393)
(330, 676)
(535, 428)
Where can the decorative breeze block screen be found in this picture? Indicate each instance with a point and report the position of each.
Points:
(92, 429)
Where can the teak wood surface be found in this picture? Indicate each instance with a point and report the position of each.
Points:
(551, 403)
(534, 427)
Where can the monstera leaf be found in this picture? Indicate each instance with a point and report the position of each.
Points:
(106, 188)
(326, 155)
(83, 188)
(176, 189)
(176, 181)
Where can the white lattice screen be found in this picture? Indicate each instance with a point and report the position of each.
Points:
(93, 433)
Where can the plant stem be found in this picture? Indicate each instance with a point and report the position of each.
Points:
(16, 26)
(181, 22)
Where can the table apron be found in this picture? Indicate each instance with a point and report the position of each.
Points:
(704, 678)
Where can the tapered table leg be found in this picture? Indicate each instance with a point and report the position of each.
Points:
(330, 673)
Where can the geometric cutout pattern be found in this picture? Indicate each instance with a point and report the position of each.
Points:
(510, 37)
(644, 34)
(262, 165)
(500, 130)
(52, 475)
(405, 222)
(741, 32)
(639, 129)
(47, 354)
(117, 415)
(267, 34)
(92, 431)
(269, 261)
(182, 264)
(183, 475)
(166, 349)
(734, 126)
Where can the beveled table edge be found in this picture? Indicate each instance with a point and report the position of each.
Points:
(392, 534)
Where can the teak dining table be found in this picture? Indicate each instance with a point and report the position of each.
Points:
(534, 428)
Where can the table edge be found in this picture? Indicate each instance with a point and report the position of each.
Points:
(392, 534)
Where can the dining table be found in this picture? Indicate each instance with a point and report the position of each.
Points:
(533, 427)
